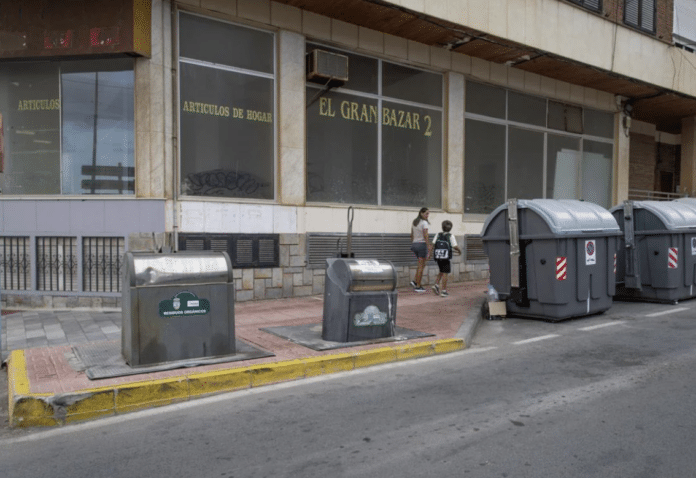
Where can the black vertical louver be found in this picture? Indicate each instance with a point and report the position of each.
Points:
(245, 250)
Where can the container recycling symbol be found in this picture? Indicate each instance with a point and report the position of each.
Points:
(370, 316)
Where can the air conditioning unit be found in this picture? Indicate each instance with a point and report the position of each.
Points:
(327, 68)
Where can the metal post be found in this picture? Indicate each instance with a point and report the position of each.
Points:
(631, 264)
(349, 239)
(514, 244)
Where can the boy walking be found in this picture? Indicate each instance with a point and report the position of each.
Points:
(445, 243)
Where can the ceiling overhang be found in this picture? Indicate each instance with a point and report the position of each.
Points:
(659, 106)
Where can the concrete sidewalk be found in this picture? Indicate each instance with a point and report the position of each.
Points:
(46, 389)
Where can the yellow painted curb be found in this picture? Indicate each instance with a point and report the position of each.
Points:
(34, 409)
(220, 381)
(136, 396)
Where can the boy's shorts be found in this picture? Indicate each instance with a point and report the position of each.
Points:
(445, 266)
(420, 249)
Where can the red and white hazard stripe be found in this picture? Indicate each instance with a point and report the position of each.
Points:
(561, 268)
(614, 263)
(672, 257)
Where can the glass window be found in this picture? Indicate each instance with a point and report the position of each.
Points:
(67, 127)
(598, 123)
(484, 180)
(597, 172)
(525, 164)
(341, 149)
(485, 100)
(640, 14)
(504, 160)
(227, 120)
(562, 163)
(225, 44)
(526, 109)
(410, 84)
(411, 156)
(565, 117)
(376, 149)
(595, 5)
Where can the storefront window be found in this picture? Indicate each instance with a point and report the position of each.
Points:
(67, 127)
(484, 180)
(227, 113)
(378, 138)
(525, 147)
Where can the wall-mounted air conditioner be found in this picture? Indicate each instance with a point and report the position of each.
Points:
(327, 68)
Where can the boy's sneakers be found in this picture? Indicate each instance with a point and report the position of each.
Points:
(413, 284)
(444, 293)
(419, 289)
(436, 289)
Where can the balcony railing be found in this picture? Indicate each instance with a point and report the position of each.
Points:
(645, 195)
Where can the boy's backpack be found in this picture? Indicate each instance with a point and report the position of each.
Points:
(443, 248)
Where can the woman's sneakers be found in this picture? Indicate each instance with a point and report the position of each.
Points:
(444, 293)
(436, 289)
(419, 289)
(414, 285)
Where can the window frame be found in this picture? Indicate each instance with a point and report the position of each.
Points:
(232, 69)
(546, 130)
(639, 24)
(115, 180)
(381, 98)
(584, 4)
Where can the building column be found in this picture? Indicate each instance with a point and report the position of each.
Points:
(622, 152)
(687, 175)
(454, 141)
(292, 171)
(153, 111)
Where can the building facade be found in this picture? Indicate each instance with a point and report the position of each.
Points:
(269, 129)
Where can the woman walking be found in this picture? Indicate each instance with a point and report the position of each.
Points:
(420, 245)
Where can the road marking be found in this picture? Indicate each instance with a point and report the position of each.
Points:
(665, 312)
(594, 327)
(536, 339)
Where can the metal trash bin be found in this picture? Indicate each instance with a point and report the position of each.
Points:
(552, 259)
(177, 306)
(658, 250)
(359, 300)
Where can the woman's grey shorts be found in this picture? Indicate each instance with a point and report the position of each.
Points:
(420, 249)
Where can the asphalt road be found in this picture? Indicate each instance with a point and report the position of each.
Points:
(612, 395)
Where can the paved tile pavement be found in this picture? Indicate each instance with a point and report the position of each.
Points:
(47, 337)
(49, 328)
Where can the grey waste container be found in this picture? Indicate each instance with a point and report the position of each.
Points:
(657, 251)
(359, 300)
(177, 306)
(552, 259)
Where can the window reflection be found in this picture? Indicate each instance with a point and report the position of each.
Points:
(59, 118)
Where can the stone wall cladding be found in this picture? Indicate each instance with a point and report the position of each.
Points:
(291, 279)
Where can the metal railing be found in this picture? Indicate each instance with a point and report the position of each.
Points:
(102, 260)
(56, 263)
(646, 195)
(15, 263)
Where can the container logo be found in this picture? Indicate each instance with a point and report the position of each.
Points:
(590, 252)
(370, 316)
(672, 257)
(561, 268)
(184, 304)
